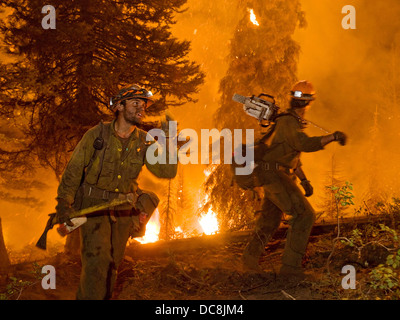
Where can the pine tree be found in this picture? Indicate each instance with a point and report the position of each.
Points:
(375, 192)
(187, 205)
(182, 205)
(175, 208)
(262, 59)
(61, 79)
(168, 211)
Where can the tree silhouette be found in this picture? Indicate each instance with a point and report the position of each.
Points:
(262, 59)
(376, 190)
(168, 211)
(60, 81)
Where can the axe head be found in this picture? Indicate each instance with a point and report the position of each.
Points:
(65, 229)
(42, 242)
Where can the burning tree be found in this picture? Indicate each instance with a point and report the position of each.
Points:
(174, 208)
(168, 211)
(263, 58)
(184, 205)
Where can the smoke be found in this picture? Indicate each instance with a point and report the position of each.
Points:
(355, 73)
(209, 26)
(25, 202)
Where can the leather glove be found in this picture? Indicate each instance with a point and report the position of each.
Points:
(308, 188)
(340, 137)
(63, 212)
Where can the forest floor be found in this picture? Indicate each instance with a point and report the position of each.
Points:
(215, 272)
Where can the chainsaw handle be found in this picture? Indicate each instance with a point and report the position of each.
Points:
(268, 96)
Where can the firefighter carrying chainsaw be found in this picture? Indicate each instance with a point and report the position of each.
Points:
(277, 167)
(103, 168)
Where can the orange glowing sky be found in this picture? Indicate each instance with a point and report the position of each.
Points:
(353, 71)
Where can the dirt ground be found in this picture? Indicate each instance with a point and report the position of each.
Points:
(208, 273)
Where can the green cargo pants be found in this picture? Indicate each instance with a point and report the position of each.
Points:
(103, 242)
(282, 195)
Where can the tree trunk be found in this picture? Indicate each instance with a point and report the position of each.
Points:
(4, 259)
(168, 215)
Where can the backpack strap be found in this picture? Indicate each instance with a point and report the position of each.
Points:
(104, 136)
(99, 145)
(144, 144)
(271, 131)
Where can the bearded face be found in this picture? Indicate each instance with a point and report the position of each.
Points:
(134, 111)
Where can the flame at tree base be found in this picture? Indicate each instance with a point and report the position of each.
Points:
(152, 229)
(209, 222)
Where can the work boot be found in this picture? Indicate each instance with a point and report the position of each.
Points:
(290, 274)
(287, 270)
(252, 253)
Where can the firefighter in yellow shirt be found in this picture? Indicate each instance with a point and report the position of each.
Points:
(104, 166)
(279, 167)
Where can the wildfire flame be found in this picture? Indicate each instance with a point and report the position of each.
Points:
(253, 17)
(207, 172)
(178, 230)
(152, 229)
(209, 222)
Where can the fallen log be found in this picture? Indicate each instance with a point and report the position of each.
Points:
(166, 248)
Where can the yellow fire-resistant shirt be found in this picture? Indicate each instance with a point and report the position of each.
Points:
(288, 141)
(120, 168)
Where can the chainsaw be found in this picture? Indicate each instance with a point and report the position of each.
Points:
(265, 110)
(257, 107)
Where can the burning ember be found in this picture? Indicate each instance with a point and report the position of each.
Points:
(209, 222)
(253, 17)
